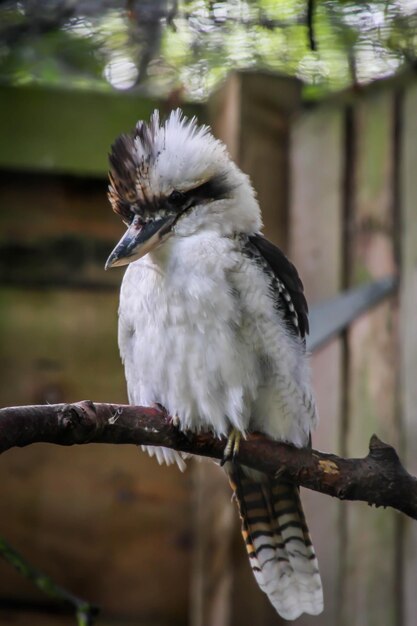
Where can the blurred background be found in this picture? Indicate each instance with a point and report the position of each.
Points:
(317, 101)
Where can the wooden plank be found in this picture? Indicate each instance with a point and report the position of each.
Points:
(408, 338)
(224, 109)
(268, 104)
(369, 586)
(315, 236)
(67, 130)
(34, 618)
(214, 517)
(105, 521)
(56, 230)
(251, 115)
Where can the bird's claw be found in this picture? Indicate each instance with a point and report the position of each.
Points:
(160, 407)
(175, 421)
(232, 447)
(171, 419)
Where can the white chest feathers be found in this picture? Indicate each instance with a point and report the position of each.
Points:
(199, 334)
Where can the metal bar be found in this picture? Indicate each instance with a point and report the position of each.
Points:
(329, 318)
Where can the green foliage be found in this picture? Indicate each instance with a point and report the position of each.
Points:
(190, 45)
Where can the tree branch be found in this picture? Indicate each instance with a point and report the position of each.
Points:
(379, 478)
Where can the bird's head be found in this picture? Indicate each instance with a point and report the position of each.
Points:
(174, 180)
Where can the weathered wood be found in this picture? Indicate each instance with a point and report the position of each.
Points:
(104, 522)
(267, 106)
(37, 616)
(252, 114)
(408, 336)
(62, 130)
(369, 585)
(56, 231)
(33, 505)
(212, 515)
(214, 522)
(317, 162)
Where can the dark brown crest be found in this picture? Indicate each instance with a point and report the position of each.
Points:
(123, 174)
(127, 168)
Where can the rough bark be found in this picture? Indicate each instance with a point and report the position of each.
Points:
(378, 479)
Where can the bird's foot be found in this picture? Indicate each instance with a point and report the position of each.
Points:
(171, 419)
(232, 447)
(160, 407)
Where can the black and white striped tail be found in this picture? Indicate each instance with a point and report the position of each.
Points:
(278, 543)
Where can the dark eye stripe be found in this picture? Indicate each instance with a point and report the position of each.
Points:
(215, 188)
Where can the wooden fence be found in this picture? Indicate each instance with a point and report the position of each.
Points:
(337, 186)
(344, 168)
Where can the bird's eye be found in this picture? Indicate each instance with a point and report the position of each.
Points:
(177, 197)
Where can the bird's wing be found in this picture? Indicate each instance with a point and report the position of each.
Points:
(286, 285)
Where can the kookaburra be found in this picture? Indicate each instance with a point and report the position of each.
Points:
(212, 326)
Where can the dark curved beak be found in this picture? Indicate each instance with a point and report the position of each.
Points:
(139, 239)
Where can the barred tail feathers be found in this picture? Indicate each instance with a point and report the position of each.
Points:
(278, 543)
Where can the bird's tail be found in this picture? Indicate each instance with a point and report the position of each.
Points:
(278, 542)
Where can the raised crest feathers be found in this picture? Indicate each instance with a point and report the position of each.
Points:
(134, 155)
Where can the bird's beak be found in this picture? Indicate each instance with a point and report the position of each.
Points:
(139, 239)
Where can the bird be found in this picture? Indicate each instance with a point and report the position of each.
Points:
(212, 326)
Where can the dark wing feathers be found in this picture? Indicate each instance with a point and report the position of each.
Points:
(287, 285)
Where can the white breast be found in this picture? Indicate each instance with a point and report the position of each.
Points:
(180, 340)
(199, 334)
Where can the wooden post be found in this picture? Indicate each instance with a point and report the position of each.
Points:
(369, 584)
(316, 213)
(408, 299)
(251, 114)
(211, 579)
(106, 522)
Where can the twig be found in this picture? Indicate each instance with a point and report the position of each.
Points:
(85, 612)
(379, 478)
(310, 25)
